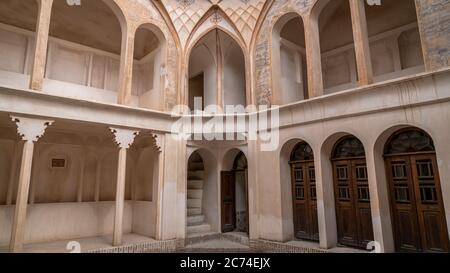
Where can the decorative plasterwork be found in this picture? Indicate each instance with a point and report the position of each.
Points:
(244, 14)
(215, 19)
(31, 129)
(157, 142)
(124, 137)
(185, 14)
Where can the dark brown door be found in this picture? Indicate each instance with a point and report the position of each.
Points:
(416, 202)
(353, 214)
(228, 193)
(304, 198)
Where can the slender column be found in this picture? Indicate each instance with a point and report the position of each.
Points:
(126, 66)
(124, 139)
(362, 49)
(81, 179)
(40, 50)
(12, 176)
(30, 130)
(314, 61)
(219, 71)
(98, 180)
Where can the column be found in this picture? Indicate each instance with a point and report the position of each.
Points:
(40, 51)
(314, 58)
(379, 202)
(12, 175)
(30, 131)
(126, 66)
(326, 211)
(98, 178)
(361, 37)
(124, 139)
(81, 177)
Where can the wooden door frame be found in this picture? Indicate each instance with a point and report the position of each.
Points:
(358, 241)
(414, 191)
(308, 202)
(222, 210)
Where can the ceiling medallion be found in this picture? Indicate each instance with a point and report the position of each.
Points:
(216, 18)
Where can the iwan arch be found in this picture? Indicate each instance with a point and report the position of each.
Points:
(86, 151)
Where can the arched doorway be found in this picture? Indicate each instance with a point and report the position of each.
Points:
(415, 193)
(234, 196)
(304, 197)
(351, 189)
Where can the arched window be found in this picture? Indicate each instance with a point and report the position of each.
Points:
(302, 152)
(410, 141)
(289, 66)
(349, 147)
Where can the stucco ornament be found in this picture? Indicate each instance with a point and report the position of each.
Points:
(31, 129)
(124, 137)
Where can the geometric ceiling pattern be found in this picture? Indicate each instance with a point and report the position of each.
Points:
(185, 14)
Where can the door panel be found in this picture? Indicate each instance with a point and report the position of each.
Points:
(353, 213)
(304, 201)
(416, 200)
(228, 193)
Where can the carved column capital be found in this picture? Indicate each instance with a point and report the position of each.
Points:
(124, 137)
(157, 142)
(31, 129)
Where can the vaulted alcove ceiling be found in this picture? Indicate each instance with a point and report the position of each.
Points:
(22, 14)
(186, 14)
(93, 24)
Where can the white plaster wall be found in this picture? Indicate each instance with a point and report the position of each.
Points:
(234, 92)
(202, 60)
(291, 75)
(52, 222)
(144, 218)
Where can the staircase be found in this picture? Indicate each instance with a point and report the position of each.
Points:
(195, 219)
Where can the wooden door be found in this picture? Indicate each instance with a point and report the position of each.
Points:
(353, 214)
(416, 201)
(228, 196)
(304, 201)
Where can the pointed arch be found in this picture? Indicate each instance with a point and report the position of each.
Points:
(215, 19)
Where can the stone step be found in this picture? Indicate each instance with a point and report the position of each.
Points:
(195, 175)
(194, 194)
(194, 211)
(199, 228)
(194, 203)
(195, 184)
(195, 220)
